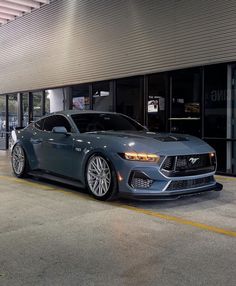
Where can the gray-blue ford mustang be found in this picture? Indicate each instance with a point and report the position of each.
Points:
(111, 154)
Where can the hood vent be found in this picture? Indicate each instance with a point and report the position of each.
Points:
(171, 138)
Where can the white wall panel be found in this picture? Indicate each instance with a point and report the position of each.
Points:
(75, 41)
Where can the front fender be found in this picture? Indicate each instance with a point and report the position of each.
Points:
(100, 151)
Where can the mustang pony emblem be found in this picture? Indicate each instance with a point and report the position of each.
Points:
(193, 160)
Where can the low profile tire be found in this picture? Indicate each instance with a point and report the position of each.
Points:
(19, 161)
(101, 178)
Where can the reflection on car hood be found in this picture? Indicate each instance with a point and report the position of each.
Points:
(163, 137)
(164, 143)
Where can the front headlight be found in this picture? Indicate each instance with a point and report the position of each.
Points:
(144, 157)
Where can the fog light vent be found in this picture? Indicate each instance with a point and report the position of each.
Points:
(139, 180)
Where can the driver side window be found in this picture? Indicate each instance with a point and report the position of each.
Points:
(54, 121)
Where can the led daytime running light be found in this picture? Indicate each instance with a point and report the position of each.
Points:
(133, 156)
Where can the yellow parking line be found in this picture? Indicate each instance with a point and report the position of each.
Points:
(180, 220)
(41, 186)
(224, 178)
(162, 216)
(27, 183)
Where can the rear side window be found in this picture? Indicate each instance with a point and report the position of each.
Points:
(55, 121)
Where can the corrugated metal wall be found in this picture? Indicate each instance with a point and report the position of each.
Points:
(74, 41)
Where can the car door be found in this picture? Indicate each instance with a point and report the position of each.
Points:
(57, 149)
(36, 143)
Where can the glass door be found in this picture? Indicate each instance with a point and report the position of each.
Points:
(13, 116)
(38, 105)
(157, 101)
(102, 96)
(3, 144)
(129, 97)
(217, 84)
(185, 108)
(231, 120)
(25, 109)
(12, 112)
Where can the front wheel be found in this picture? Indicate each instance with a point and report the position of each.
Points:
(100, 178)
(19, 161)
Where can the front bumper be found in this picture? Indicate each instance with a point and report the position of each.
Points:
(173, 195)
(159, 186)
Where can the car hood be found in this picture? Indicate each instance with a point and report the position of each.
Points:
(163, 143)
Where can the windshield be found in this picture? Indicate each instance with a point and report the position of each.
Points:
(90, 122)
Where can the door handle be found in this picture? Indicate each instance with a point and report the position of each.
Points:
(36, 141)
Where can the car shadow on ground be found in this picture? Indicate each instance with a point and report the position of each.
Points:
(157, 204)
(169, 203)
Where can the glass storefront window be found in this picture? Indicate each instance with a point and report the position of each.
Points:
(186, 102)
(12, 111)
(37, 105)
(80, 97)
(231, 105)
(173, 100)
(129, 97)
(232, 144)
(158, 90)
(25, 108)
(2, 122)
(102, 97)
(215, 101)
(54, 100)
(47, 101)
(221, 150)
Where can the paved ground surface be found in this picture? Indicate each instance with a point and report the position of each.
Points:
(52, 235)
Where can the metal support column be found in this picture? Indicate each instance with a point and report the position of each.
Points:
(229, 123)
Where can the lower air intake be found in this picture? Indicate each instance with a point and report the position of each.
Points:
(139, 180)
(188, 184)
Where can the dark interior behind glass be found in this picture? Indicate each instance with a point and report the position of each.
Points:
(215, 101)
(129, 97)
(158, 91)
(186, 102)
(102, 97)
(80, 97)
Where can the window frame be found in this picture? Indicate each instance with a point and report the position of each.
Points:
(54, 115)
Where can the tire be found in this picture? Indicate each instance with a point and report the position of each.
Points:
(19, 162)
(100, 177)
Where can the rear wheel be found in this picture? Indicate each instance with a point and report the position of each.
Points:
(101, 178)
(19, 161)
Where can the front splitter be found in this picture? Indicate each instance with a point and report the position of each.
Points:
(174, 195)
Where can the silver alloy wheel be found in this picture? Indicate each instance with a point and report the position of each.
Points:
(18, 159)
(98, 176)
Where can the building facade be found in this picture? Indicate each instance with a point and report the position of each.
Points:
(168, 64)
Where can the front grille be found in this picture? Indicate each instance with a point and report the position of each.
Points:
(184, 165)
(169, 163)
(189, 184)
(192, 162)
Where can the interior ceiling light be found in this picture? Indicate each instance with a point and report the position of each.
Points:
(11, 9)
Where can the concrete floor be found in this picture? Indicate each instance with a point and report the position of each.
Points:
(52, 235)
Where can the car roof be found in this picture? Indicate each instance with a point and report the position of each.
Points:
(73, 112)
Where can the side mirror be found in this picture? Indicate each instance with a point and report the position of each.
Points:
(59, 130)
